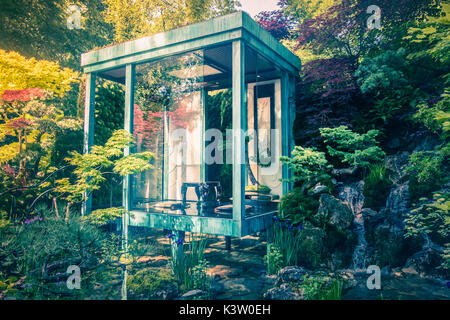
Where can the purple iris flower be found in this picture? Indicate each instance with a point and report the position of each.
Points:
(179, 241)
(28, 221)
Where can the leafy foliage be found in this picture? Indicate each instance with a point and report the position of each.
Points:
(273, 259)
(276, 23)
(102, 217)
(141, 18)
(427, 172)
(89, 168)
(432, 218)
(39, 29)
(20, 73)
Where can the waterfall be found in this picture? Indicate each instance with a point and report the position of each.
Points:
(397, 202)
(352, 194)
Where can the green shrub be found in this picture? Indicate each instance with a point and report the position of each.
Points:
(446, 263)
(376, 187)
(436, 117)
(297, 206)
(308, 167)
(260, 189)
(354, 149)
(426, 172)
(322, 288)
(431, 217)
(273, 259)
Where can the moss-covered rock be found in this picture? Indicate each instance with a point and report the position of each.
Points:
(152, 283)
(335, 214)
(312, 246)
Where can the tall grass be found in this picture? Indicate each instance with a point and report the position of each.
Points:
(284, 249)
(190, 269)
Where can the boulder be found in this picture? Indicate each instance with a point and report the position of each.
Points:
(390, 247)
(190, 295)
(312, 246)
(425, 261)
(337, 215)
(396, 164)
(318, 189)
(291, 274)
(284, 292)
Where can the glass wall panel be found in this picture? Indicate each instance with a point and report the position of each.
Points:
(264, 186)
(177, 99)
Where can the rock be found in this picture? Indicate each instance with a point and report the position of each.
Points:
(337, 214)
(318, 189)
(386, 270)
(312, 246)
(239, 287)
(339, 239)
(284, 292)
(399, 285)
(425, 261)
(369, 213)
(396, 164)
(190, 295)
(345, 173)
(410, 271)
(390, 247)
(221, 272)
(269, 280)
(291, 274)
(216, 286)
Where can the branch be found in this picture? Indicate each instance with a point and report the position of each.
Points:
(36, 185)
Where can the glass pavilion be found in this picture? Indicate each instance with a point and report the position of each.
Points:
(214, 102)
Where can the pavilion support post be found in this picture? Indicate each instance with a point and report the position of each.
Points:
(88, 140)
(239, 130)
(227, 243)
(128, 126)
(285, 127)
(126, 192)
(292, 114)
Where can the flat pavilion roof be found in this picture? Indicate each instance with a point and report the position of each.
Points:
(110, 61)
